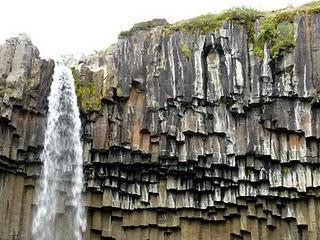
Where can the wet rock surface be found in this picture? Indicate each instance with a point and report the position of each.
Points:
(195, 137)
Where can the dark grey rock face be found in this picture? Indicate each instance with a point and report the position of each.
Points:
(196, 137)
(25, 81)
(201, 139)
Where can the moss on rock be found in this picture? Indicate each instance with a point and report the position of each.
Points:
(275, 28)
(278, 36)
(211, 22)
(186, 51)
(89, 97)
(6, 91)
(144, 26)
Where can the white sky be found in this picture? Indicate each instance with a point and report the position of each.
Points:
(80, 26)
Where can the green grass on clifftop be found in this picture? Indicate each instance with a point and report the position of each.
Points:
(275, 27)
(243, 15)
(210, 22)
(144, 26)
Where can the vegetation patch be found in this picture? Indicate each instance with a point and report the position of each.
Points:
(89, 97)
(275, 28)
(211, 22)
(285, 170)
(186, 51)
(144, 26)
(6, 91)
(278, 36)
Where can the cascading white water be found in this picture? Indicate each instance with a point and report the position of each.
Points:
(62, 165)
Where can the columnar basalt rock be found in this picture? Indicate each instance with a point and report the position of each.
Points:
(196, 137)
(25, 81)
(212, 144)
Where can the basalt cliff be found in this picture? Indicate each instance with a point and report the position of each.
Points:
(187, 134)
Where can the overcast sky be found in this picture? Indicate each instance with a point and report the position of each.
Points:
(82, 26)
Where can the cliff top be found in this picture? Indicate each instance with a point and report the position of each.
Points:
(147, 25)
(274, 27)
(244, 15)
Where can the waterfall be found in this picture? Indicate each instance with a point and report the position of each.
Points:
(62, 176)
